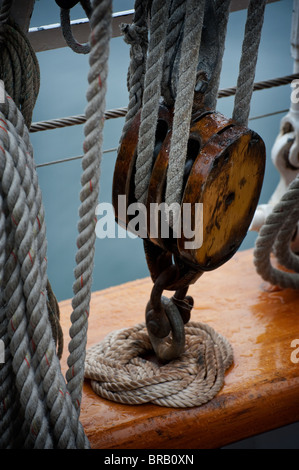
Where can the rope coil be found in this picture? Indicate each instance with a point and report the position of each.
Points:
(119, 371)
(275, 237)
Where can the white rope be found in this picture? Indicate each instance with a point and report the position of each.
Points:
(275, 236)
(97, 78)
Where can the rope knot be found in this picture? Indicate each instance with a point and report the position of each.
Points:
(137, 37)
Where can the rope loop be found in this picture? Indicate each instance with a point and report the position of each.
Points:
(275, 237)
(67, 29)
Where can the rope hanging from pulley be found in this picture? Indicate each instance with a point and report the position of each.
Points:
(173, 81)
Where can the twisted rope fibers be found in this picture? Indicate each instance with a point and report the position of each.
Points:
(151, 97)
(30, 350)
(19, 69)
(137, 36)
(97, 78)
(184, 99)
(119, 371)
(275, 236)
(121, 112)
(251, 42)
(36, 408)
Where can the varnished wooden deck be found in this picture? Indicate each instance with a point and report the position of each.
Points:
(261, 389)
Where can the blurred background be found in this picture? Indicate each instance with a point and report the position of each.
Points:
(63, 93)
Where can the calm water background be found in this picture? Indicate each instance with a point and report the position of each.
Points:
(63, 93)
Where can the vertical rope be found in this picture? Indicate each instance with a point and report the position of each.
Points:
(136, 35)
(5, 10)
(151, 97)
(172, 50)
(251, 42)
(222, 16)
(99, 39)
(184, 99)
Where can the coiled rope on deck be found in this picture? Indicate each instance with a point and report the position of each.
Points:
(119, 371)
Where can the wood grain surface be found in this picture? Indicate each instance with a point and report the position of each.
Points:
(261, 388)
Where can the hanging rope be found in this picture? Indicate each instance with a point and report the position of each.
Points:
(37, 399)
(67, 29)
(222, 16)
(97, 78)
(184, 99)
(137, 36)
(151, 97)
(38, 408)
(251, 42)
(19, 68)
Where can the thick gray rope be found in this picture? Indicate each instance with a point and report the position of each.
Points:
(184, 99)
(36, 408)
(19, 69)
(49, 420)
(251, 42)
(151, 97)
(30, 337)
(97, 78)
(222, 15)
(172, 50)
(274, 237)
(136, 35)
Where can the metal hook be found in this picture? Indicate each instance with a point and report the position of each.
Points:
(165, 318)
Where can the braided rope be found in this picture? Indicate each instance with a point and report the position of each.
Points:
(151, 97)
(97, 78)
(119, 371)
(184, 99)
(275, 235)
(136, 35)
(222, 15)
(19, 69)
(251, 42)
(174, 32)
(40, 391)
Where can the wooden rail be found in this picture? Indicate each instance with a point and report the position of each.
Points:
(261, 389)
(48, 37)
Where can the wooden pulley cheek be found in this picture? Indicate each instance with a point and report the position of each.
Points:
(125, 167)
(226, 178)
(204, 126)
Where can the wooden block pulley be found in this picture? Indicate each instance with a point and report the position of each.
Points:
(224, 172)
